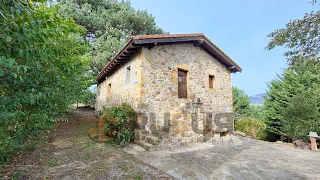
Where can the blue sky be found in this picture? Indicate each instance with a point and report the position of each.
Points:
(239, 28)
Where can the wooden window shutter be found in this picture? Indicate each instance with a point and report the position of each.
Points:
(182, 83)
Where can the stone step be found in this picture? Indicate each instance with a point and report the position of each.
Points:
(141, 134)
(153, 140)
(160, 134)
(145, 145)
(142, 131)
(148, 140)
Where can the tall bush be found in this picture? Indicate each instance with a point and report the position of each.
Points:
(41, 71)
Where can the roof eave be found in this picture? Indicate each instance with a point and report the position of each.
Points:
(138, 41)
(123, 53)
(216, 51)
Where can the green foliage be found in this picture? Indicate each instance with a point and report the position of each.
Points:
(122, 120)
(253, 127)
(300, 117)
(300, 36)
(286, 96)
(249, 118)
(241, 102)
(138, 177)
(87, 97)
(19, 175)
(109, 24)
(52, 162)
(41, 70)
(242, 106)
(257, 112)
(292, 105)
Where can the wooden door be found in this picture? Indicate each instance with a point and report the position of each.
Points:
(182, 84)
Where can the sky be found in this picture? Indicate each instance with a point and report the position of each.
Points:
(239, 28)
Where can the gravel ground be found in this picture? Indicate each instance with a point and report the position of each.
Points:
(72, 155)
(245, 158)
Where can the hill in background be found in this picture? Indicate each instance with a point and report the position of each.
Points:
(257, 99)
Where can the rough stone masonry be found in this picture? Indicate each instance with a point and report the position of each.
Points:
(145, 75)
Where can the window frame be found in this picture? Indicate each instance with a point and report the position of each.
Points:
(180, 87)
(212, 81)
(109, 95)
(128, 77)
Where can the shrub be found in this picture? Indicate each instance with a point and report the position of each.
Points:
(253, 127)
(87, 97)
(300, 117)
(121, 121)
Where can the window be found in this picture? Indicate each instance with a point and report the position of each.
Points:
(109, 91)
(182, 83)
(128, 75)
(212, 82)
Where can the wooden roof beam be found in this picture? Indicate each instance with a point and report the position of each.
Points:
(153, 45)
(125, 55)
(198, 43)
(121, 57)
(132, 46)
(165, 40)
(130, 51)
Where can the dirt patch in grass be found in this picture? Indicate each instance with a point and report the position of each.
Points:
(73, 155)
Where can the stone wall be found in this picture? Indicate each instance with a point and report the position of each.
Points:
(153, 90)
(159, 97)
(121, 92)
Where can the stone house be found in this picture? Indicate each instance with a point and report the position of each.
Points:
(178, 84)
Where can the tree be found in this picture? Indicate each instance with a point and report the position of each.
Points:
(292, 100)
(283, 111)
(42, 68)
(109, 24)
(301, 36)
(241, 102)
(257, 111)
(300, 117)
(87, 97)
